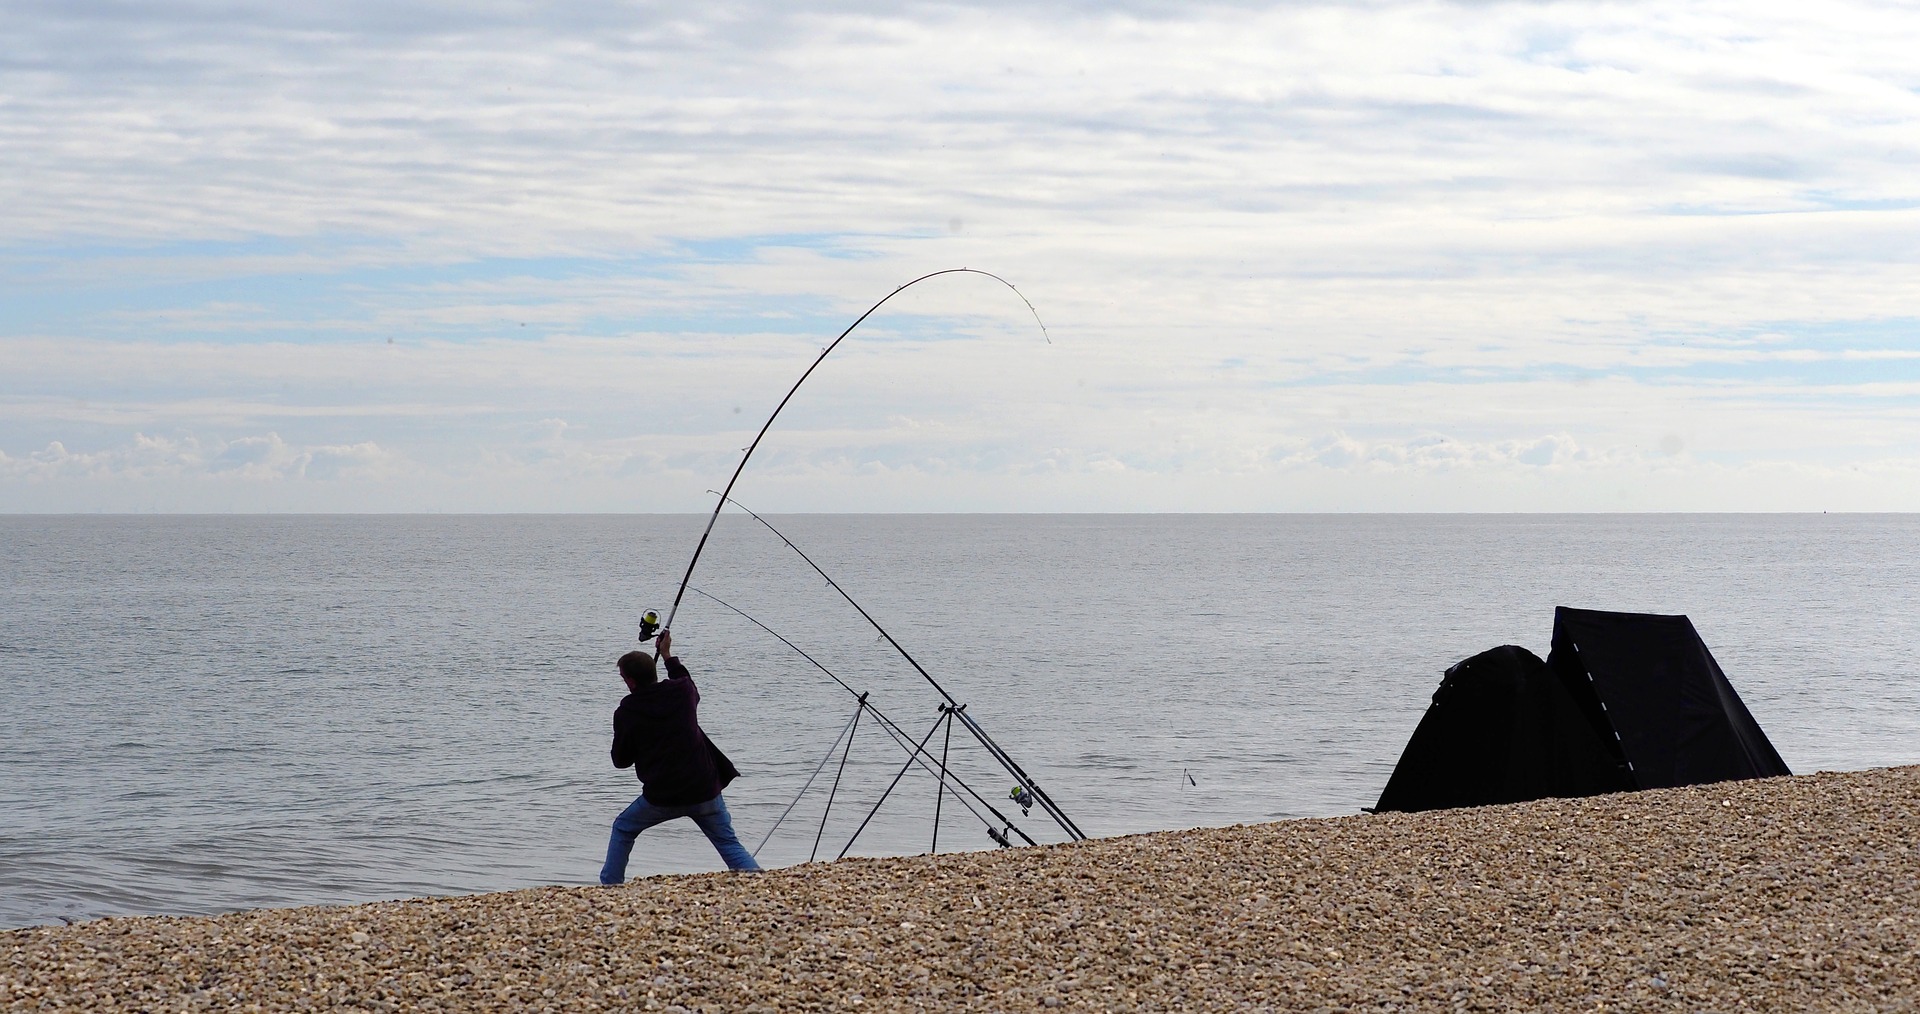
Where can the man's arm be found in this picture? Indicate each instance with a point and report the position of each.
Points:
(622, 745)
(675, 671)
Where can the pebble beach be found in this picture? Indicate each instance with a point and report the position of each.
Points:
(1782, 894)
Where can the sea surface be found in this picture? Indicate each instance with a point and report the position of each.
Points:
(200, 714)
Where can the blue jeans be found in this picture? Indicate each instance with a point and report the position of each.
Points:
(711, 815)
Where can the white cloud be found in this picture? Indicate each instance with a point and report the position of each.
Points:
(265, 458)
(516, 133)
(1382, 243)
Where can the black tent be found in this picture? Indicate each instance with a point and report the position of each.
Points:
(1675, 717)
(1624, 701)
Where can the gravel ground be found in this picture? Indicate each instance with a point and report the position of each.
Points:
(1782, 895)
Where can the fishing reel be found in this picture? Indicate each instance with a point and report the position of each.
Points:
(649, 625)
(1024, 798)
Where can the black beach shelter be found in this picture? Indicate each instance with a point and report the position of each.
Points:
(1676, 718)
(1624, 701)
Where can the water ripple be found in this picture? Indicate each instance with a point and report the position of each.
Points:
(209, 713)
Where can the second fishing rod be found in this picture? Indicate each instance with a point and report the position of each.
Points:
(1006, 760)
(918, 754)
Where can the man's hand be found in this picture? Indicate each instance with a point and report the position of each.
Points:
(666, 644)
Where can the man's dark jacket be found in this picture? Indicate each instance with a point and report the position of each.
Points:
(656, 731)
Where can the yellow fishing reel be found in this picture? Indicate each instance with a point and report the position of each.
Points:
(649, 625)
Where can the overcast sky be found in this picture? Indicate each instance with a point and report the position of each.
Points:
(1384, 257)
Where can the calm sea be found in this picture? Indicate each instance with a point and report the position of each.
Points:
(200, 714)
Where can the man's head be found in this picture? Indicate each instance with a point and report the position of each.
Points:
(636, 667)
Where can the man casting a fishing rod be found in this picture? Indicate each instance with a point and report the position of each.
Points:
(656, 731)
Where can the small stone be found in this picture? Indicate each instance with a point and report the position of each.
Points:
(1779, 894)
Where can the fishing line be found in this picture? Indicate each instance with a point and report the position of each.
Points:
(1006, 760)
(822, 766)
(833, 791)
(702, 544)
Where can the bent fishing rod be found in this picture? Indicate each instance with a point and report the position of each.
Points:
(1006, 760)
(822, 357)
(916, 753)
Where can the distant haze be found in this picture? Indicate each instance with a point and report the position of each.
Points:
(1380, 257)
